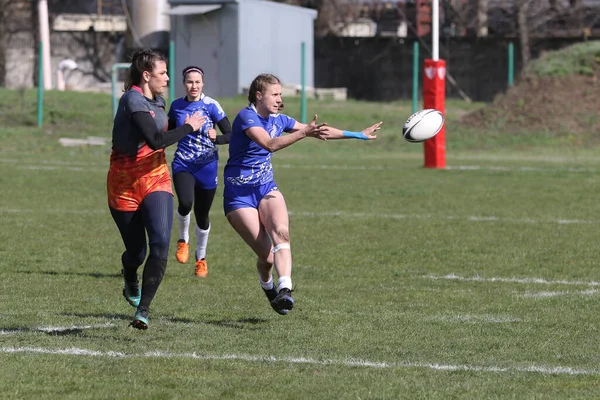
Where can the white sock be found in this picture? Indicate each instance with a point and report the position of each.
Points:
(266, 285)
(201, 242)
(285, 282)
(184, 227)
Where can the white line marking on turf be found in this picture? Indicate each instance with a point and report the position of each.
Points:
(510, 280)
(474, 319)
(541, 369)
(521, 169)
(55, 329)
(343, 214)
(87, 167)
(473, 218)
(543, 295)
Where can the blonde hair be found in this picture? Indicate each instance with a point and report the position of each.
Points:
(259, 84)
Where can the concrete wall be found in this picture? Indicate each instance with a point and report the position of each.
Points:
(95, 53)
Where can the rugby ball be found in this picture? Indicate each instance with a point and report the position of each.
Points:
(423, 125)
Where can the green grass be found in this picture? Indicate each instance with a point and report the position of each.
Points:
(376, 241)
(577, 59)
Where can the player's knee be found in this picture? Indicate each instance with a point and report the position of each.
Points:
(282, 235)
(133, 259)
(202, 221)
(184, 207)
(159, 247)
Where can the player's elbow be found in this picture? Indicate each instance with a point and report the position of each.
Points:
(154, 145)
(270, 146)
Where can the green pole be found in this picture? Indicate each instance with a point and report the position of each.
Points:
(40, 105)
(415, 94)
(303, 83)
(171, 70)
(511, 64)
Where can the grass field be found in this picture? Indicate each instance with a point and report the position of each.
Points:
(477, 281)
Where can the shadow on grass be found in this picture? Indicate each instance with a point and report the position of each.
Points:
(242, 323)
(50, 332)
(124, 317)
(97, 275)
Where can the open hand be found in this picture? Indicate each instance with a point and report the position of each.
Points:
(369, 132)
(315, 130)
(195, 120)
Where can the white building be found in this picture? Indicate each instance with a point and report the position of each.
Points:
(235, 40)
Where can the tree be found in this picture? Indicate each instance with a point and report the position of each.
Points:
(526, 20)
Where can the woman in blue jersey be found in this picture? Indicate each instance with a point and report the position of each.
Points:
(252, 203)
(195, 164)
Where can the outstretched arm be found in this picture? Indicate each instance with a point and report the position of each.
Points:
(262, 138)
(331, 133)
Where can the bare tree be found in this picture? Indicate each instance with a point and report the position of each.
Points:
(331, 13)
(524, 27)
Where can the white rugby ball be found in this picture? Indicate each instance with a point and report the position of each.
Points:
(423, 125)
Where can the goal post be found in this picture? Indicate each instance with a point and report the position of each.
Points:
(434, 93)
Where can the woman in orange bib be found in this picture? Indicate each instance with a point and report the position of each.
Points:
(140, 197)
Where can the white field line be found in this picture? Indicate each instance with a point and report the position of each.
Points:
(473, 218)
(545, 295)
(474, 319)
(87, 167)
(55, 329)
(459, 319)
(448, 168)
(540, 369)
(343, 214)
(511, 280)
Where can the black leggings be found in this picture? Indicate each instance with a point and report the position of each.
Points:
(155, 216)
(189, 193)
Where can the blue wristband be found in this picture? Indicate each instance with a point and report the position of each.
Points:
(355, 135)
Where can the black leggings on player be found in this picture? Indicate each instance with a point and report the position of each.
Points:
(155, 216)
(188, 192)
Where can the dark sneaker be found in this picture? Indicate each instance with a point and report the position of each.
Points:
(271, 295)
(132, 292)
(283, 302)
(140, 319)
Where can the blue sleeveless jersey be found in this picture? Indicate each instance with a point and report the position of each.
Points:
(249, 164)
(197, 147)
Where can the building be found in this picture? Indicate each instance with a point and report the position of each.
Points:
(235, 40)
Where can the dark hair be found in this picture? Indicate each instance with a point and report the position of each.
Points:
(191, 68)
(142, 60)
(259, 84)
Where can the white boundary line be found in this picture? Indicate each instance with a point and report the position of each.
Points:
(543, 281)
(88, 167)
(73, 351)
(343, 214)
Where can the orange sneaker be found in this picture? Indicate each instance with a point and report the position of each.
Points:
(183, 251)
(201, 268)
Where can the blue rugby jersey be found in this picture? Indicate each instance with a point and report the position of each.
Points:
(197, 147)
(249, 164)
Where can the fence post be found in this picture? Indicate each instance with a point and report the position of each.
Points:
(415, 95)
(511, 63)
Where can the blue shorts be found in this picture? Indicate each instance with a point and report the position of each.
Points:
(205, 174)
(235, 197)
